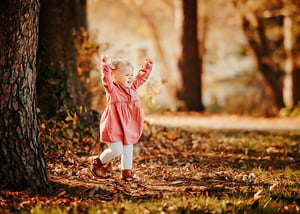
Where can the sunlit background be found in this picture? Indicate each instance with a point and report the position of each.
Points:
(136, 29)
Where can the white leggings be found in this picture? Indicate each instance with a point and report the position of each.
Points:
(117, 149)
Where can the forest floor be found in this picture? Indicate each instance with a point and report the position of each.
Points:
(211, 164)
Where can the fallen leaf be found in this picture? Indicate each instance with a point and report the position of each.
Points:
(273, 186)
(258, 195)
(61, 194)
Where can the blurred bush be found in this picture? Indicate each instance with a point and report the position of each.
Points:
(74, 131)
(87, 49)
(249, 96)
(293, 112)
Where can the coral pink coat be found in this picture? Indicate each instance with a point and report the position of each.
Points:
(123, 119)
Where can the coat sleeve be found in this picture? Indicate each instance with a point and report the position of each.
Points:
(142, 76)
(106, 78)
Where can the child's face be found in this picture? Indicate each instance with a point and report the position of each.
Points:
(124, 76)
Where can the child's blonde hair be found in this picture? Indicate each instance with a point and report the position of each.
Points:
(118, 63)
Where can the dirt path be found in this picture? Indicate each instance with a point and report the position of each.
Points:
(197, 120)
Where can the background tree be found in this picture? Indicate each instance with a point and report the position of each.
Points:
(190, 62)
(272, 30)
(58, 82)
(22, 163)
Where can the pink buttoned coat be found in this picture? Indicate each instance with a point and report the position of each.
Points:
(123, 118)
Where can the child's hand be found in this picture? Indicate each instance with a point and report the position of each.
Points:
(148, 62)
(112, 64)
(104, 59)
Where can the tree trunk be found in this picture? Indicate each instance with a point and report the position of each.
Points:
(22, 164)
(259, 44)
(58, 82)
(291, 89)
(283, 79)
(78, 12)
(296, 85)
(189, 62)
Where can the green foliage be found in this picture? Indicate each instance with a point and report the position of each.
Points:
(245, 200)
(242, 203)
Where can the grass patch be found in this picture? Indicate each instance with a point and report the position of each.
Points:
(268, 202)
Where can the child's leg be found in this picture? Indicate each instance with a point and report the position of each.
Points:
(126, 163)
(127, 157)
(114, 150)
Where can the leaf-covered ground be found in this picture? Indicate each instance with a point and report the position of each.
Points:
(179, 170)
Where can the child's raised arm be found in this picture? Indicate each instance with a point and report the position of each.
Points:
(106, 74)
(143, 73)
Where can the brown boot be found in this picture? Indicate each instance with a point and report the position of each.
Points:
(127, 175)
(98, 169)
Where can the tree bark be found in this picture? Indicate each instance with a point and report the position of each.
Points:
(79, 14)
(22, 164)
(58, 83)
(189, 63)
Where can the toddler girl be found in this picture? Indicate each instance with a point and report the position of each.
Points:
(122, 121)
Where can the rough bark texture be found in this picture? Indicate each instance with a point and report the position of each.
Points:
(58, 82)
(22, 164)
(189, 62)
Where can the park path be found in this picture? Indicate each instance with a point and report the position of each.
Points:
(222, 121)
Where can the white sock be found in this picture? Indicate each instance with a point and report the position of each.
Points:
(127, 157)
